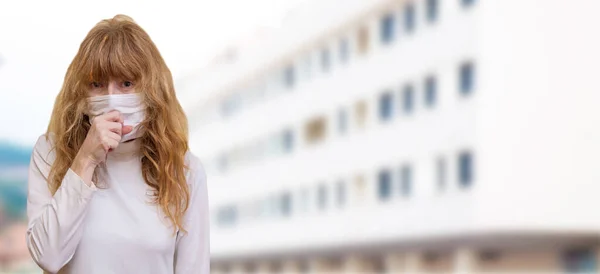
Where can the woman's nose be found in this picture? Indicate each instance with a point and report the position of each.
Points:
(113, 88)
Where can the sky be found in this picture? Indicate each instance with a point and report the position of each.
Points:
(38, 40)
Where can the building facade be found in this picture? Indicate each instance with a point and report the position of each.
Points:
(399, 136)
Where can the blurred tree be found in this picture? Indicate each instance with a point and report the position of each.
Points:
(13, 198)
(12, 155)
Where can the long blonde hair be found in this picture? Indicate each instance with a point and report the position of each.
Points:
(120, 48)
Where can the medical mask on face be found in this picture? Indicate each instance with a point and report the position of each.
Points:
(131, 106)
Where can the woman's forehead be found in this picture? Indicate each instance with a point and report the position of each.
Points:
(115, 59)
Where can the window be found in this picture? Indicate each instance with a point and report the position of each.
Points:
(272, 205)
(466, 78)
(315, 130)
(360, 110)
(441, 173)
(256, 209)
(234, 155)
(288, 140)
(286, 204)
(359, 187)
(259, 148)
(465, 169)
(430, 91)
(379, 265)
(409, 18)
(250, 267)
(384, 184)
(289, 77)
(275, 144)
(264, 208)
(344, 50)
(275, 267)
(467, 3)
(406, 178)
(226, 108)
(223, 163)
(341, 193)
(322, 196)
(386, 106)
(304, 200)
(230, 105)
(306, 67)
(342, 121)
(387, 28)
(580, 261)
(227, 215)
(325, 60)
(303, 266)
(432, 10)
(408, 99)
(363, 40)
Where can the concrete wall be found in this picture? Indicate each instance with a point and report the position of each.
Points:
(537, 116)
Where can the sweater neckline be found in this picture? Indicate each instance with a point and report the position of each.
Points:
(126, 149)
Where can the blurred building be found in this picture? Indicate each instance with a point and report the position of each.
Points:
(405, 136)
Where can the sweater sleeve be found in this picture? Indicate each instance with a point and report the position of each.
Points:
(55, 222)
(192, 254)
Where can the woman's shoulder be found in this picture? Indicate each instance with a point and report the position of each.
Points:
(196, 173)
(43, 147)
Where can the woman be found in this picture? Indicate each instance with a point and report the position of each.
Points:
(112, 185)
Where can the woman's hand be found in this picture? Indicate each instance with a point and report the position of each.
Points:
(104, 135)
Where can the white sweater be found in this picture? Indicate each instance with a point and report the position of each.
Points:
(113, 228)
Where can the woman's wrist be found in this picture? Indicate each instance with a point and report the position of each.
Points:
(84, 167)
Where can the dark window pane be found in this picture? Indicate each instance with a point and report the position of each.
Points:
(430, 91)
(227, 215)
(406, 180)
(227, 107)
(386, 106)
(467, 3)
(288, 140)
(384, 184)
(289, 77)
(409, 18)
(223, 163)
(342, 121)
(580, 261)
(432, 10)
(408, 99)
(344, 50)
(325, 60)
(322, 196)
(305, 199)
(387, 28)
(341, 194)
(467, 78)
(441, 173)
(286, 204)
(465, 169)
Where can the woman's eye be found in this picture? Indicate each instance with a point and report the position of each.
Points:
(95, 84)
(127, 84)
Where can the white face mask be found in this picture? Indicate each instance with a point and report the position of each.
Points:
(131, 106)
